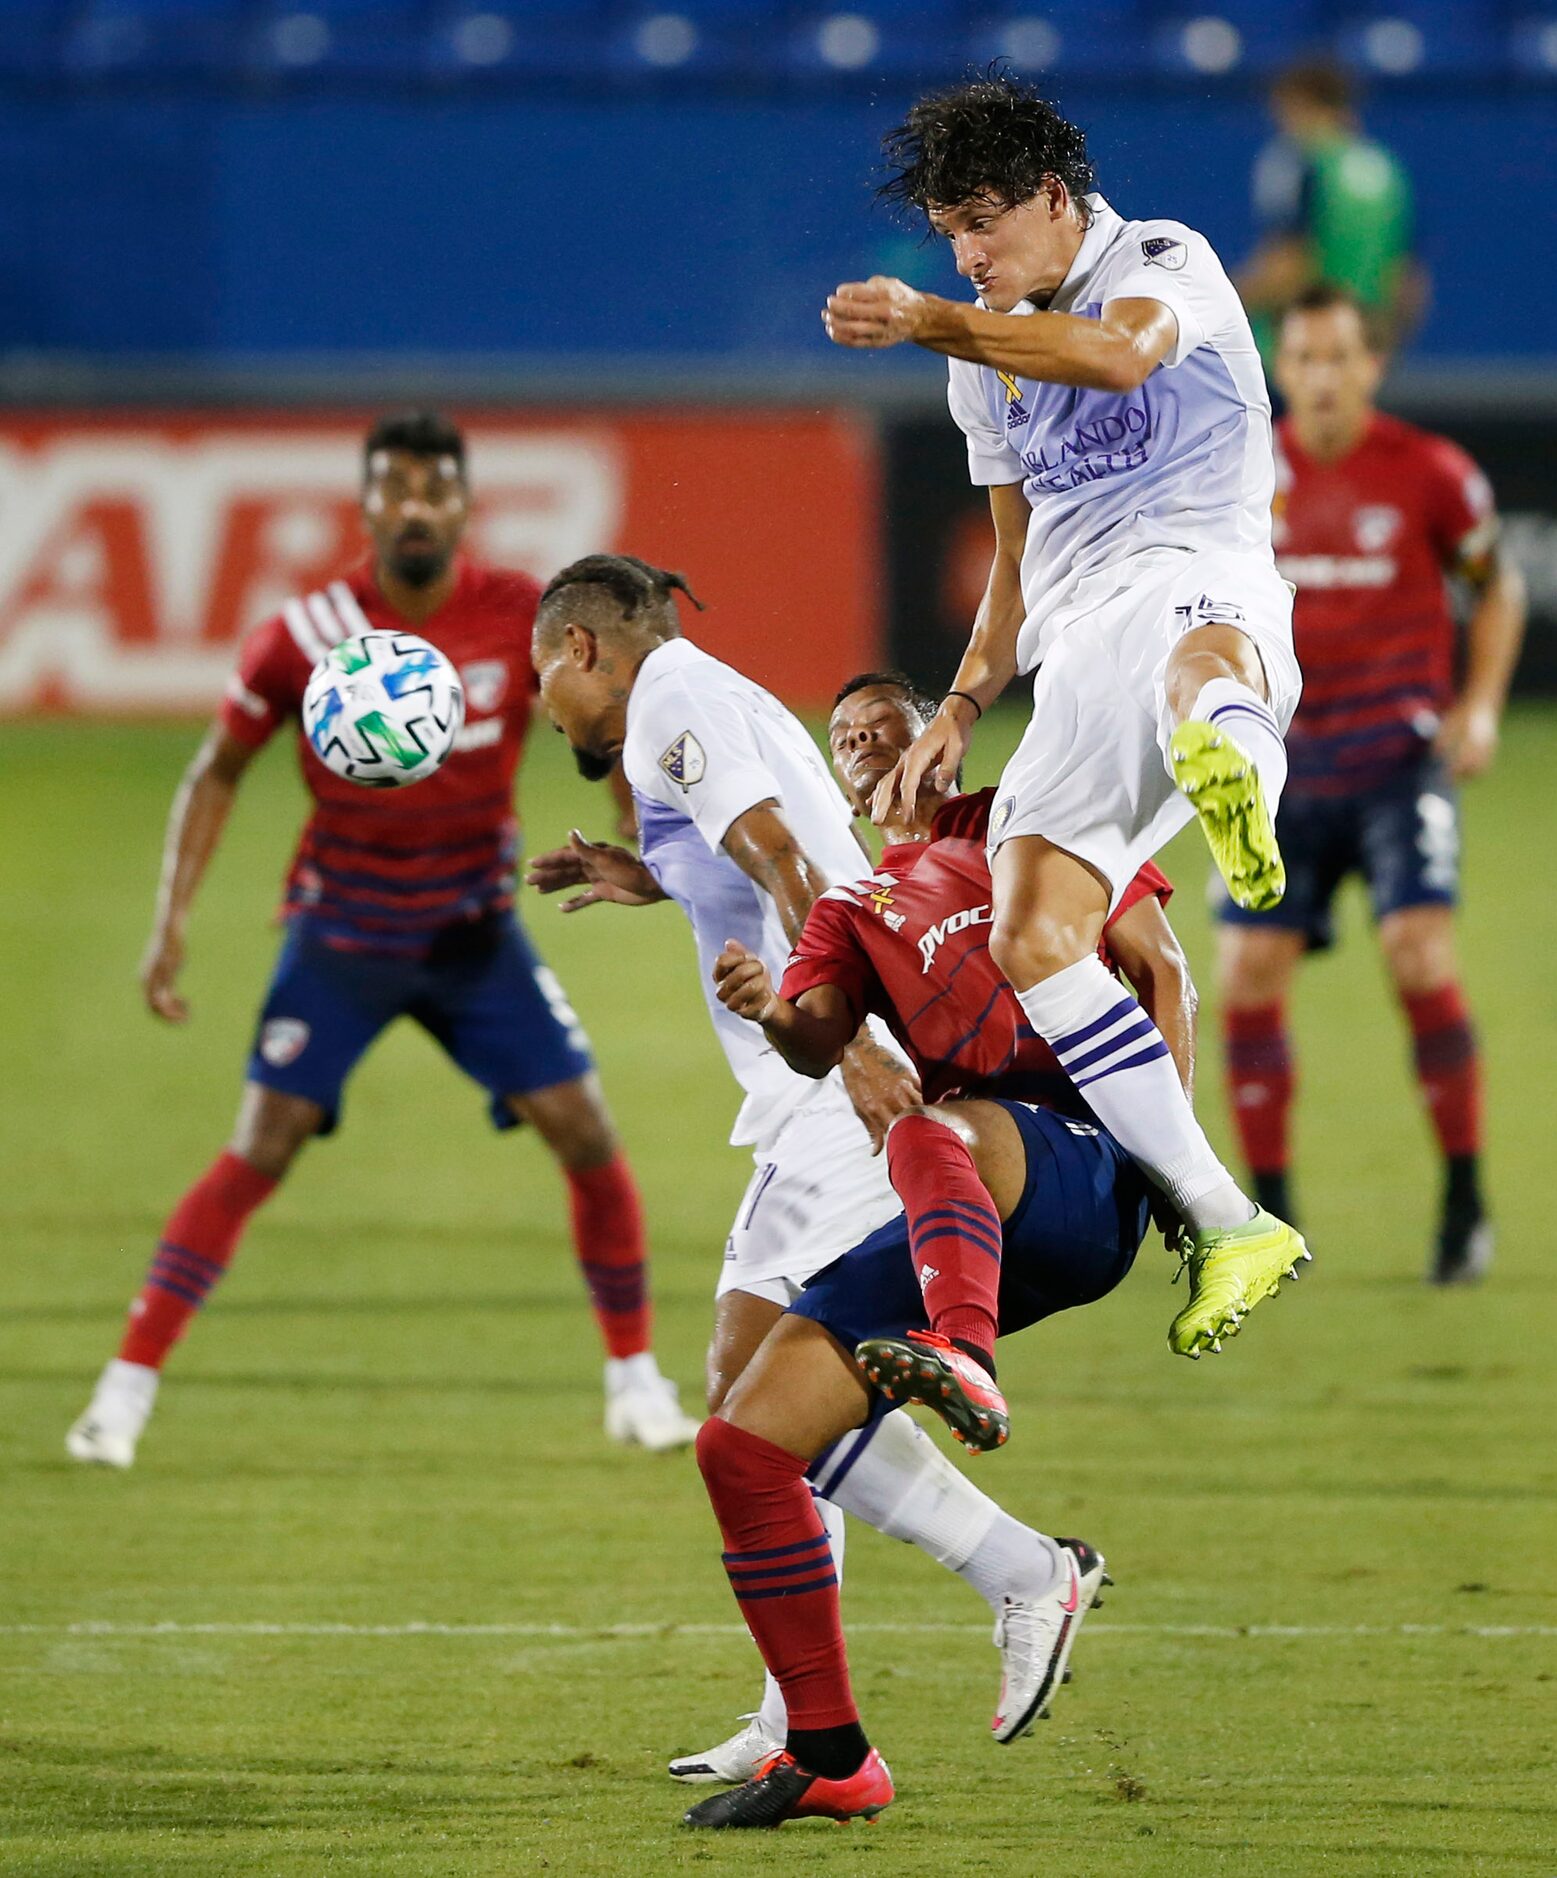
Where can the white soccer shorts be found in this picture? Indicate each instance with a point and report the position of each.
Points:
(816, 1193)
(1091, 772)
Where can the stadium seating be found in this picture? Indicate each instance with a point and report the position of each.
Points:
(790, 44)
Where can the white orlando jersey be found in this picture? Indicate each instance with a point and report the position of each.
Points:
(1184, 461)
(704, 745)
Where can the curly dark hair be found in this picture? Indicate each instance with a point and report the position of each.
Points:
(994, 137)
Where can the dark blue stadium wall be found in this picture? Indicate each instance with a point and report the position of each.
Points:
(216, 227)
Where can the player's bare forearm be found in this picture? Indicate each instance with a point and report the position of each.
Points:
(1467, 738)
(811, 1042)
(1494, 636)
(199, 814)
(1117, 352)
(1149, 954)
(762, 845)
(810, 1034)
(989, 664)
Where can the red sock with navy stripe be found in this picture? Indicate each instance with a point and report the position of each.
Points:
(781, 1570)
(191, 1255)
(608, 1236)
(1448, 1066)
(1260, 1084)
(953, 1232)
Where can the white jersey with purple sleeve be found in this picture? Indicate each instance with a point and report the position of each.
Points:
(1183, 462)
(704, 744)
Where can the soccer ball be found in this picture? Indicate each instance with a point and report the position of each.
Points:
(383, 709)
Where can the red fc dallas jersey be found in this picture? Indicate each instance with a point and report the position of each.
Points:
(386, 869)
(910, 944)
(1367, 541)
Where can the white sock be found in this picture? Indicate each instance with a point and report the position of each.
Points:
(1246, 718)
(775, 1717)
(892, 1476)
(1115, 1055)
(631, 1372)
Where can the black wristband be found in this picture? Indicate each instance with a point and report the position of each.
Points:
(971, 700)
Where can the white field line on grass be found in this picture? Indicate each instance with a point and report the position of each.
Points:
(91, 1627)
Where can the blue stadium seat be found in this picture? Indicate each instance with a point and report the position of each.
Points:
(1235, 36)
(312, 39)
(1532, 47)
(152, 38)
(1404, 39)
(472, 40)
(870, 39)
(1067, 37)
(655, 39)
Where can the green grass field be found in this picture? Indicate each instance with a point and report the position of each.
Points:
(1334, 1643)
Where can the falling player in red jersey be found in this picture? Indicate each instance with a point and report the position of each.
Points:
(1015, 1198)
(909, 944)
(397, 903)
(1372, 517)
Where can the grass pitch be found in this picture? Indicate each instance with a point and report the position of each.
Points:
(380, 1599)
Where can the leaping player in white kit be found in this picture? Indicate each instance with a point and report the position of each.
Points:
(741, 823)
(1114, 406)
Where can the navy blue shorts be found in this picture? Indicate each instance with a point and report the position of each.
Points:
(1403, 837)
(481, 993)
(1072, 1238)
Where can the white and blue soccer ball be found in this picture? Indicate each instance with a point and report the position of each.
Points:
(383, 709)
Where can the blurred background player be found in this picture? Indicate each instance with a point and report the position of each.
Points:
(397, 904)
(1373, 516)
(1335, 206)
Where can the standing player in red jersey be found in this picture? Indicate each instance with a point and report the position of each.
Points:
(1372, 517)
(397, 904)
(1014, 1196)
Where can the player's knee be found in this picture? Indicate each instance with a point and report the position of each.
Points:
(1030, 950)
(1419, 953)
(573, 1121)
(271, 1130)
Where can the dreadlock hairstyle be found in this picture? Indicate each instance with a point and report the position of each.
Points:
(994, 137)
(635, 586)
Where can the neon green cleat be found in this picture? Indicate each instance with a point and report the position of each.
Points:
(1223, 786)
(1229, 1273)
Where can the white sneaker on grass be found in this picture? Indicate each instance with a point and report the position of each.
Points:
(107, 1433)
(642, 1407)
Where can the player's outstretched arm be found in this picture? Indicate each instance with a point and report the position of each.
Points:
(606, 875)
(987, 667)
(1116, 352)
(199, 814)
(810, 1035)
(1147, 951)
(1468, 736)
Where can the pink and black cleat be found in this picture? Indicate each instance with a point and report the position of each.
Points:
(782, 1789)
(928, 1368)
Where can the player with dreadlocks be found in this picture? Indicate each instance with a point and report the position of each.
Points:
(1113, 404)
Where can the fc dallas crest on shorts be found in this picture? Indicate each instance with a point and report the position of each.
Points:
(283, 1040)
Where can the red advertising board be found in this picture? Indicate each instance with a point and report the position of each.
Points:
(136, 550)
